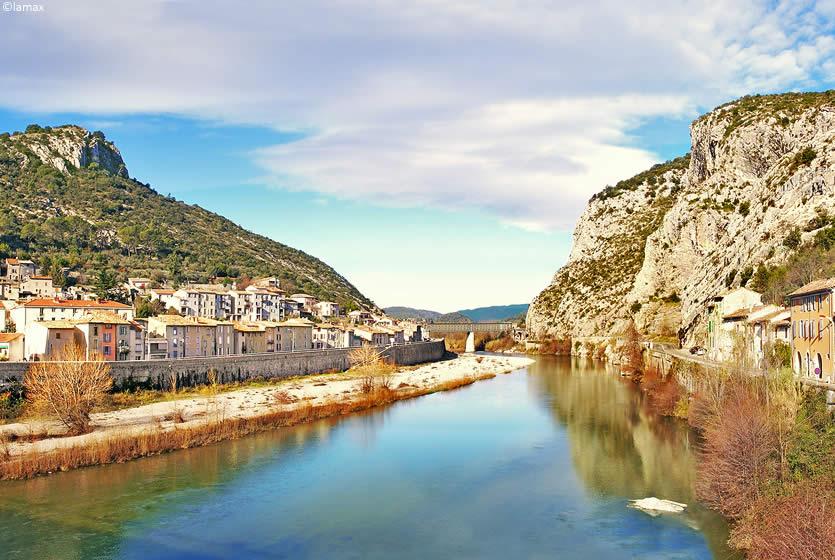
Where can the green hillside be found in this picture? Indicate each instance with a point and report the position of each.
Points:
(66, 201)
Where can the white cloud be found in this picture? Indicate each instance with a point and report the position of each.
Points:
(519, 109)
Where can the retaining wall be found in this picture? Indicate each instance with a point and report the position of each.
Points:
(194, 371)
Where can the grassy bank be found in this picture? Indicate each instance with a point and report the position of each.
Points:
(117, 449)
(766, 456)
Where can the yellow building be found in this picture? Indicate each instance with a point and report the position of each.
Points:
(812, 329)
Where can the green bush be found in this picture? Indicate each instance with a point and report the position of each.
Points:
(792, 240)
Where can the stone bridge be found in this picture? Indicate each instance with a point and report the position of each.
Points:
(438, 330)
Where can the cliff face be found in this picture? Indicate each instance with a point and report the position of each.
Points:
(70, 146)
(656, 247)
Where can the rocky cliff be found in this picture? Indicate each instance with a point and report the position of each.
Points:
(657, 246)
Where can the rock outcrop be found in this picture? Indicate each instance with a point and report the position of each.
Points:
(657, 246)
(72, 146)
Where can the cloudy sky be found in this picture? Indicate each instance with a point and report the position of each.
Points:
(436, 153)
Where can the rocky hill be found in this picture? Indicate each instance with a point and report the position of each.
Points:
(757, 188)
(67, 201)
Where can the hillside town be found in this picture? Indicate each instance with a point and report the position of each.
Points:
(37, 319)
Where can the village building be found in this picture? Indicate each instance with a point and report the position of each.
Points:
(165, 297)
(9, 290)
(360, 317)
(251, 337)
(190, 337)
(376, 336)
(768, 326)
(726, 316)
(11, 347)
(55, 309)
(307, 302)
(812, 329)
(295, 334)
(43, 339)
(138, 286)
(112, 336)
(326, 309)
(18, 270)
(37, 286)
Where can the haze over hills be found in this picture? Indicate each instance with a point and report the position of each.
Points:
(478, 314)
(751, 205)
(66, 200)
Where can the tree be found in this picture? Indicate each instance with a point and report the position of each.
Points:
(105, 284)
(147, 308)
(69, 386)
(632, 356)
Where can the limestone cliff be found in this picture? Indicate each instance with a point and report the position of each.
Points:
(69, 146)
(658, 245)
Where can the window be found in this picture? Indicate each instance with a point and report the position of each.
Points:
(123, 330)
(95, 331)
(57, 336)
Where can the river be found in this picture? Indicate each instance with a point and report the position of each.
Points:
(539, 463)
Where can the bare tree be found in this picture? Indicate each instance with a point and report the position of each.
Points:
(69, 385)
(632, 357)
(376, 373)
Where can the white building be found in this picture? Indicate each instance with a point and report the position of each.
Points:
(55, 309)
(326, 309)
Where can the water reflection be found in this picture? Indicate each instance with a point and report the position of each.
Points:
(618, 446)
(536, 464)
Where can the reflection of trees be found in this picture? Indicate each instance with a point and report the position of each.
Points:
(617, 446)
(82, 514)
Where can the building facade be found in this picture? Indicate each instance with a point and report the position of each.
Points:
(812, 329)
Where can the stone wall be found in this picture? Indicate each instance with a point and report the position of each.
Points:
(194, 371)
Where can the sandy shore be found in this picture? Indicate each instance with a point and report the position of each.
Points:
(251, 402)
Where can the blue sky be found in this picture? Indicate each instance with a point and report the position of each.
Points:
(437, 155)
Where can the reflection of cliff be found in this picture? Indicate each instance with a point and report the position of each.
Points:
(618, 448)
(84, 513)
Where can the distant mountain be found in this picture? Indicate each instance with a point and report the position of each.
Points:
(400, 312)
(479, 314)
(67, 200)
(495, 312)
(454, 317)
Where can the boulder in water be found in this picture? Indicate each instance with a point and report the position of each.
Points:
(655, 506)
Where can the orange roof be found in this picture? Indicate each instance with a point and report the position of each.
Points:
(815, 287)
(40, 277)
(75, 303)
(9, 337)
(12, 261)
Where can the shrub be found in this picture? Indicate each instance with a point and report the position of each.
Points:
(804, 156)
(796, 526)
(739, 455)
(632, 357)
(69, 386)
(792, 240)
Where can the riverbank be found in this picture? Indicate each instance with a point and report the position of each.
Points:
(39, 447)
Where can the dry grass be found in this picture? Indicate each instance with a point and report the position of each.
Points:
(504, 342)
(557, 347)
(124, 448)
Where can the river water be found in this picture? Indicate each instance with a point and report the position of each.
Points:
(539, 463)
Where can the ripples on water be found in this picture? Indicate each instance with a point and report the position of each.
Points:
(535, 464)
